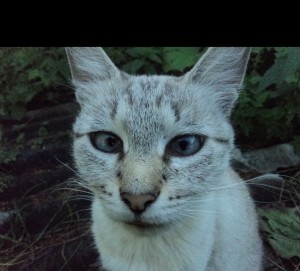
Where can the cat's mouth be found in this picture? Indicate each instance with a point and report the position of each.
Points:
(141, 224)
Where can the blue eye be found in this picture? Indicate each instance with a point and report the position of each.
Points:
(106, 142)
(185, 145)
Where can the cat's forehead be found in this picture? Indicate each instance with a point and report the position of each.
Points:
(149, 88)
(143, 106)
(147, 101)
(142, 96)
(164, 96)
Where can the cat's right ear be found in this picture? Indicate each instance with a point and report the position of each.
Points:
(89, 64)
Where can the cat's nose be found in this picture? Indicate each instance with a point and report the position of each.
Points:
(138, 202)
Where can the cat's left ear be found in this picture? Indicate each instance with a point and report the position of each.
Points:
(89, 64)
(221, 71)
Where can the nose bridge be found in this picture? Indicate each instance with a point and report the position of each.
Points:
(141, 175)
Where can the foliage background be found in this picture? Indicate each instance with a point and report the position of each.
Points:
(267, 112)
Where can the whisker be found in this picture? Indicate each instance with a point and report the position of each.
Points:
(67, 166)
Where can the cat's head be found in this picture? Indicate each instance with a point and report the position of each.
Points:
(149, 147)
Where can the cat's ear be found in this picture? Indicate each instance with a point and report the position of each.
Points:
(221, 70)
(89, 64)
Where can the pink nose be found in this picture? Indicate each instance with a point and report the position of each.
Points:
(138, 202)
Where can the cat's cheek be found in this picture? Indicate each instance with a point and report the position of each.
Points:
(95, 167)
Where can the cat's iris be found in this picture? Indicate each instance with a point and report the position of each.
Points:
(106, 142)
(185, 145)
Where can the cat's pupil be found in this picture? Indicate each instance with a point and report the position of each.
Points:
(110, 141)
(183, 144)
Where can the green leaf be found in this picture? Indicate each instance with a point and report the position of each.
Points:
(283, 69)
(34, 74)
(283, 230)
(133, 66)
(138, 52)
(179, 58)
(253, 79)
(155, 58)
(261, 98)
(150, 69)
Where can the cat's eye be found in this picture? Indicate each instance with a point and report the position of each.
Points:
(185, 145)
(106, 142)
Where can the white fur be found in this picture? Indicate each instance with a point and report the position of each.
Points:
(203, 217)
(219, 237)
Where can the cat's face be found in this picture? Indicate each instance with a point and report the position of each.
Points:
(150, 147)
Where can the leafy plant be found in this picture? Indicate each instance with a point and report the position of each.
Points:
(9, 150)
(283, 230)
(268, 109)
(27, 72)
(179, 58)
(155, 60)
(136, 59)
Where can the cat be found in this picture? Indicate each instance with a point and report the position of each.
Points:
(155, 152)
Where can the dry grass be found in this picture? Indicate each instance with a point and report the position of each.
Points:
(45, 228)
